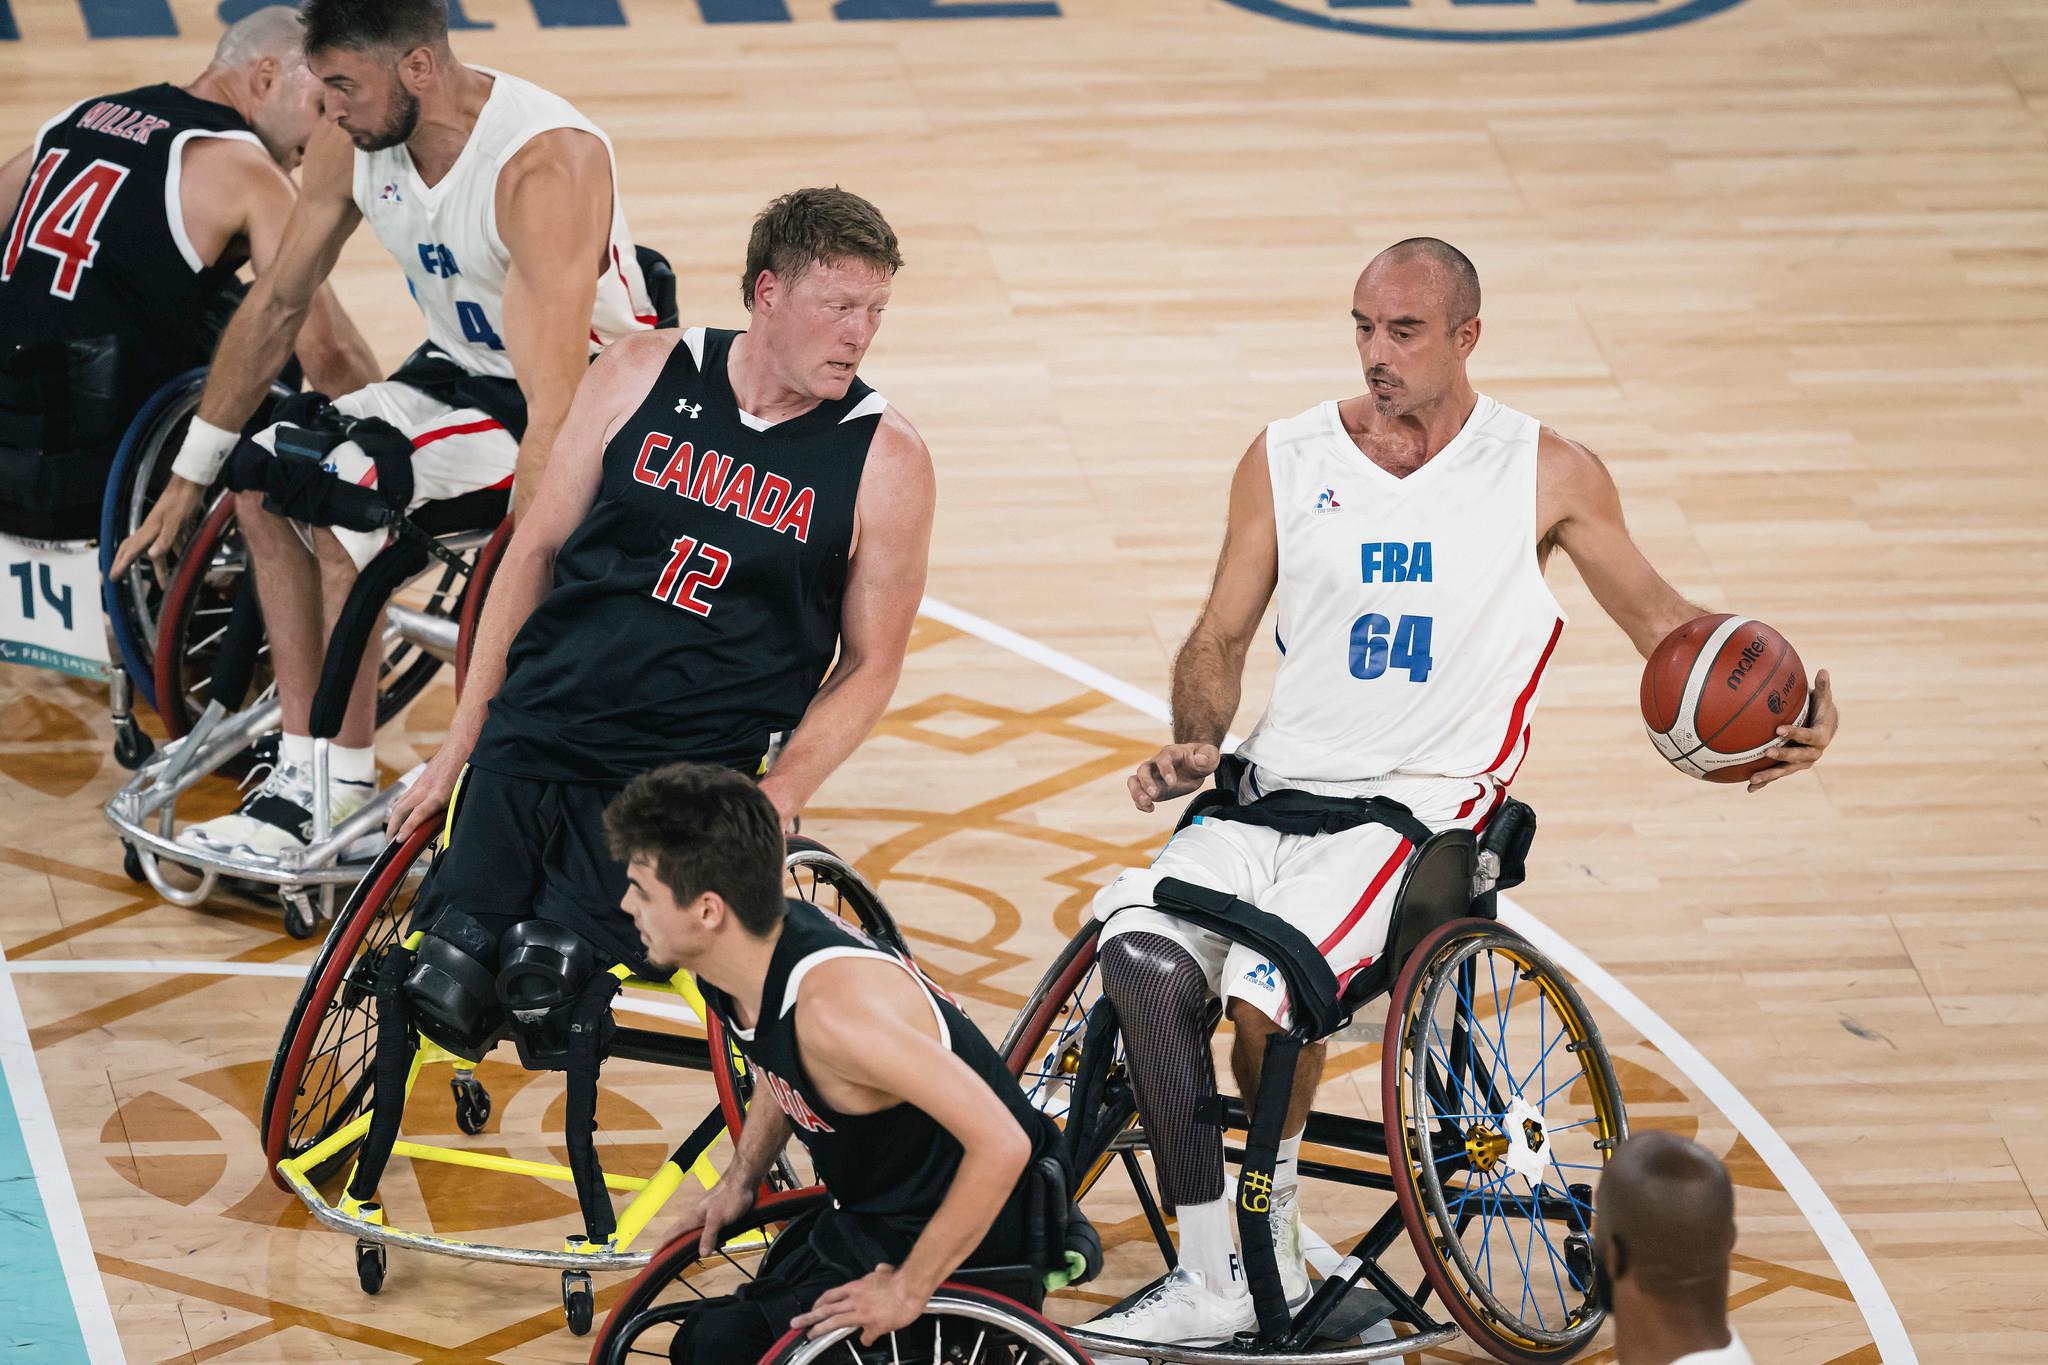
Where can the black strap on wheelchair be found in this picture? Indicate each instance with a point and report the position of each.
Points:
(361, 616)
(389, 1066)
(294, 483)
(1299, 812)
(235, 666)
(1314, 984)
(1255, 1185)
(587, 1036)
(431, 372)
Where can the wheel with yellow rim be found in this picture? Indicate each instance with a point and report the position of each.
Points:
(1501, 1109)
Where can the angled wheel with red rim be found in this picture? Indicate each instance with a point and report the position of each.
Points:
(961, 1323)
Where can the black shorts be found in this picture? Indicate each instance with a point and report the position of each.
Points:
(520, 849)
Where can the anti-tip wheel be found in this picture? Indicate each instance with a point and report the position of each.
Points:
(577, 1302)
(472, 1103)
(370, 1266)
(132, 748)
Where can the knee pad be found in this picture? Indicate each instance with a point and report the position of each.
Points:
(543, 970)
(451, 989)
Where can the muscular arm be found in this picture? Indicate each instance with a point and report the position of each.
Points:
(554, 204)
(230, 189)
(1578, 509)
(259, 338)
(884, 584)
(1208, 673)
(869, 1040)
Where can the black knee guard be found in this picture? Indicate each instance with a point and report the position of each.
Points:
(451, 990)
(543, 968)
(1163, 1003)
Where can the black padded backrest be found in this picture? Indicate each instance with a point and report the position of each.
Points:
(661, 284)
(1437, 890)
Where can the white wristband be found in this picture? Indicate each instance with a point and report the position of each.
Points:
(204, 452)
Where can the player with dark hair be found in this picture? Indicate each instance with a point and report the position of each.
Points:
(1404, 532)
(727, 515)
(914, 1125)
(128, 217)
(1663, 1230)
(500, 203)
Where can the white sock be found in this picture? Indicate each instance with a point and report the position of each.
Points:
(352, 765)
(1207, 1247)
(1287, 1167)
(295, 751)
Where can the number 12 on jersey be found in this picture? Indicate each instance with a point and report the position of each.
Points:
(679, 589)
(1377, 645)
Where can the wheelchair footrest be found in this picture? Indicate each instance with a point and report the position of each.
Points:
(1363, 1308)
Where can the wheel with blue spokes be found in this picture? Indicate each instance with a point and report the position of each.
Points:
(1501, 1109)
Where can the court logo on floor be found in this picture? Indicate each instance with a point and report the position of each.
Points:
(1488, 21)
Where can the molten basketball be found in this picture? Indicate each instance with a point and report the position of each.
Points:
(1715, 692)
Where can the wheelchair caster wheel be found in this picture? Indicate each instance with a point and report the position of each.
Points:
(131, 863)
(576, 1301)
(132, 748)
(370, 1266)
(301, 914)
(472, 1103)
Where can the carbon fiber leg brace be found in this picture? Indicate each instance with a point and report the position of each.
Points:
(1162, 999)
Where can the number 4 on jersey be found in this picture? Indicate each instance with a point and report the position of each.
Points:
(68, 229)
(1377, 646)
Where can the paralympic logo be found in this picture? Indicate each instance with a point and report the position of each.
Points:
(1486, 21)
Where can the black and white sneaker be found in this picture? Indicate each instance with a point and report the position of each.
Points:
(276, 818)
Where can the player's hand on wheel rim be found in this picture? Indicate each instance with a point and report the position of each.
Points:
(1174, 771)
(162, 530)
(876, 1304)
(427, 796)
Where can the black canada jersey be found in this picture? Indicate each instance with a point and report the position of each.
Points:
(97, 245)
(696, 608)
(896, 1163)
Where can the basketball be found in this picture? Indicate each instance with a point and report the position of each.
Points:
(1715, 692)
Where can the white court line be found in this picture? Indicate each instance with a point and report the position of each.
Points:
(53, 1179)
(1879, 1313)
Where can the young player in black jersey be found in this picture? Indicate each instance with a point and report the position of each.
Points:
(127, 219)
(725, 516)
(914, 1124)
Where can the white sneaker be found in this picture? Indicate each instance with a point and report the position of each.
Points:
(272, 820)
(1181, 1310)
(1285, 1220)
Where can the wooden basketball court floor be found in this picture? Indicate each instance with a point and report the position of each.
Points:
(1783, 263)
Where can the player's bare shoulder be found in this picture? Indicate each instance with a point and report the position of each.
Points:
(625, 370)
(1571, 481)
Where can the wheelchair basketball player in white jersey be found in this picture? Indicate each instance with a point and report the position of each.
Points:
(1405, 532)
(486, 190)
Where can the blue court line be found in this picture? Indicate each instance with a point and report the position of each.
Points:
(37, 1321)
(53, 1304)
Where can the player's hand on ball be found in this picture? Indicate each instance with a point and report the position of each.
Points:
(162, 530)
(878, 1303)
(1799, 747)
(1174, 771)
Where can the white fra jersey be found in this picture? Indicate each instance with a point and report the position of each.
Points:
(1414, 624)
(445, 238)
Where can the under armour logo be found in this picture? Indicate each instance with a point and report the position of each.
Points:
(685, 405)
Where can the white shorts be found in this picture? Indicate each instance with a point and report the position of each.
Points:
(454, 451)
(1337, 889)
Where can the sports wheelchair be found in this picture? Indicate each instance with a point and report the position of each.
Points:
(418, 601)
(1499, 1106)
(982, 1313)
(342, 1076)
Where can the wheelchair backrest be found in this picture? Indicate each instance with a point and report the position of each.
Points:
(661, 284)
(1437, 890)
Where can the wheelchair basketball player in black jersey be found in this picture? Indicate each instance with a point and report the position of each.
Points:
(723, 515)
(915, 1126)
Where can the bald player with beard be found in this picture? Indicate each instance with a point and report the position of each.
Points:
(1663, 1230)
